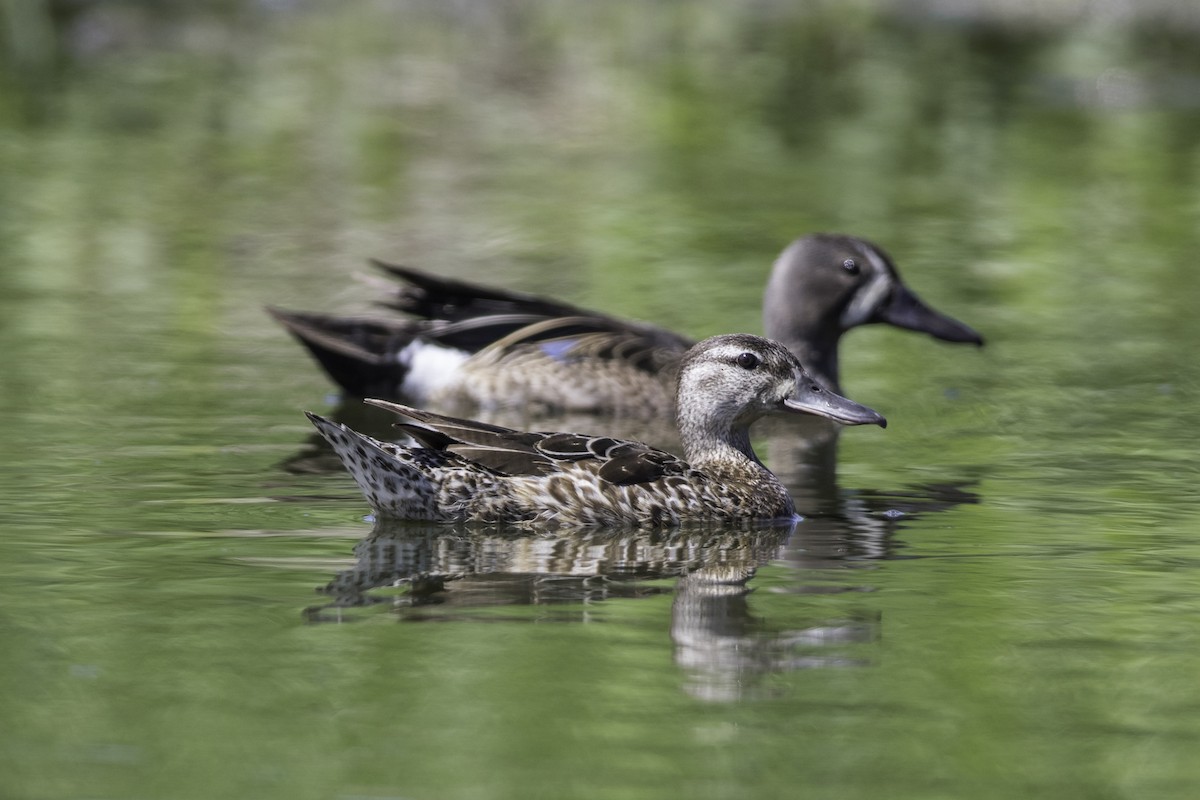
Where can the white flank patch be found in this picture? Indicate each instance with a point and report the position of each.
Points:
(430, 367)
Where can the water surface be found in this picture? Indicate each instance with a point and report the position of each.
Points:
(995, 597)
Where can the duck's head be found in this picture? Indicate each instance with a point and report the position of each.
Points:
(823, 285)
(727, 382)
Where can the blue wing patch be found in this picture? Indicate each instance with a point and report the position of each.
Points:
(558, 349)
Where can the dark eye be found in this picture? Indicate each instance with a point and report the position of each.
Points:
(851, 266)
(748, 361)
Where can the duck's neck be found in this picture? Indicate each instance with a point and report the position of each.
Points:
(705, 448)
(801, 322)
(728, 459)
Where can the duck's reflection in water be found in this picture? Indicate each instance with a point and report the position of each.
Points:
(451, 568)
(841, 524)
(442, 573)
(455, 573)
(728, 653)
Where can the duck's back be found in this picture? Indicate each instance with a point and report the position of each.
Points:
(588, 365)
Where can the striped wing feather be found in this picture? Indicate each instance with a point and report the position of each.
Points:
(573, 339)
(523, 453)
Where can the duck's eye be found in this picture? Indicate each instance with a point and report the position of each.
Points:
(748, 361)
(851, 266)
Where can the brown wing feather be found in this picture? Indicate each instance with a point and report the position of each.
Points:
(503, 450)
(641, 466)
(511, 452)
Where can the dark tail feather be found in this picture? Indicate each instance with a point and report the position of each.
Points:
(434, 297)
(358, 354)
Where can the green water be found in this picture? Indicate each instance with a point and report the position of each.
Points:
(996, 597)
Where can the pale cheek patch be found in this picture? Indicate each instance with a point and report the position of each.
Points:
(865, 301)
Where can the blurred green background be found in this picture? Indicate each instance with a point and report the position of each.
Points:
(168, 168)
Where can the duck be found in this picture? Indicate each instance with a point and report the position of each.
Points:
(463, 470)
(467, 347)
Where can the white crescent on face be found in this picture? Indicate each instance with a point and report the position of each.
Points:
(868, 298)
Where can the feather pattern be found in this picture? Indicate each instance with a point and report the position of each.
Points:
(464, 470)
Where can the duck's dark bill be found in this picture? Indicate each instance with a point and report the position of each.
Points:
(906, 310)
(811, 399)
